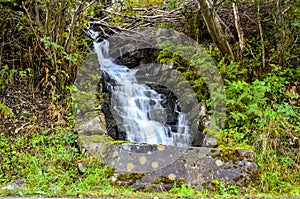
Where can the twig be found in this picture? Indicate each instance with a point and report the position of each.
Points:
(35, 34)
(261, 37)
(71, 29)
(166, 16)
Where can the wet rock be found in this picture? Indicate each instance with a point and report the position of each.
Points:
(158, 167)
(159, 115)
(112, 120)
(169, 101)
(136, 58)
(177, 95)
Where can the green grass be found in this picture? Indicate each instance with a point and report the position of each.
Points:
(47, 160)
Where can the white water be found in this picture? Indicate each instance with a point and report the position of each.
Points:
(133, 102)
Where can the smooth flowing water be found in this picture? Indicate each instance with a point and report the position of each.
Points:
(133, 103)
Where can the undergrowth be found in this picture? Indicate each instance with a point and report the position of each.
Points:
(47, 156)
(263, 105)
(262, 114)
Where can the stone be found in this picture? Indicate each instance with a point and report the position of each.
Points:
(92, 126)
(18, 184)
(209, 141)
(158, 167)
(80, 168)
(159, 115)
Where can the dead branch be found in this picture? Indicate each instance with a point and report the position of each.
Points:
(218, 30)
(238, 27)
(149, 17)
(261, 38)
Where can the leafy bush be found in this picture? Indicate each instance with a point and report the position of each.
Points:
(47, 38)
(264, 116)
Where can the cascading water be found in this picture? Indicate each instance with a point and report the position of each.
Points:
(132, 103)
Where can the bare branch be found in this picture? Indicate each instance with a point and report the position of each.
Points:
(35, 33)
(217, 29)
(261, 38)
(238, 27)
(71, 28)
(149, 17)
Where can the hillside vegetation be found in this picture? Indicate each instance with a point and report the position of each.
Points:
(255, 45)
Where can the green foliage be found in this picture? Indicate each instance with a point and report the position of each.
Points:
(184, 191)
(6, 76)
(54, 45)
(74, 58)
(5, 110)
(224, 189)
(244, 102)
(263, 102)
(232, 71)
(47, 161)
(188, 69)
(261, 116)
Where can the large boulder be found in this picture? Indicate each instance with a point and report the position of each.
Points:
(158, 167)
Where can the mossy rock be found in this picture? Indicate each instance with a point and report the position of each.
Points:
(231, 154)
(127, 179)
(159, 167)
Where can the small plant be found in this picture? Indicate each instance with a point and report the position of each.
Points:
(5, 110)
(184, 190)
(6, 76)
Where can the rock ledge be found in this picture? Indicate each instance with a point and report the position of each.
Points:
(158, 167)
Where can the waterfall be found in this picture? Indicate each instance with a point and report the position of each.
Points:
(133, 103)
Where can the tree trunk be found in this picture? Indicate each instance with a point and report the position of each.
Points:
(219, 32)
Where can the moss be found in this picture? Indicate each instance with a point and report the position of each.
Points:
(163, 180)
(249, 169)
(91, 138)
(98, 138)
(128, 179)
(229, 154)
(119, 141)
(180, 182)
(214, 182)
(109, 171)
(183, 84)
(131, 176)
(101, 138)
(215, 155)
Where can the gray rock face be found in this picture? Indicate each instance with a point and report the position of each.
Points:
(18, 184)
(158, 167)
